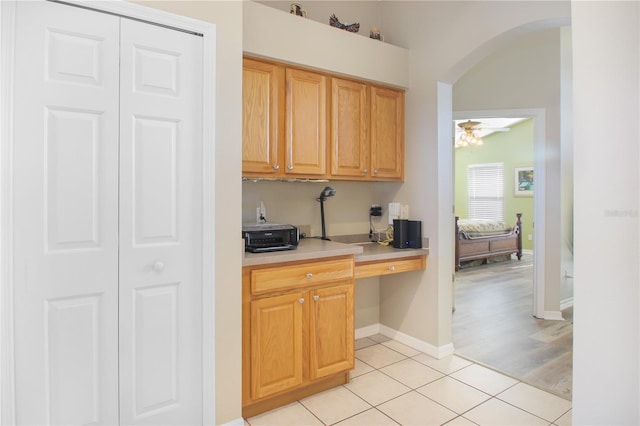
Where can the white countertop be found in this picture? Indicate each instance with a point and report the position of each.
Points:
(315, 248)
(374, 251)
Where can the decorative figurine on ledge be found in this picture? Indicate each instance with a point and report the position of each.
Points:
(375, 34)
(334, 22)
(297, 10)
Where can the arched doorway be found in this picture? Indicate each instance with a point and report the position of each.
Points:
(547, 147)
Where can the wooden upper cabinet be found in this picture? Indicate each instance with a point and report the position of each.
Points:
(262, 104)
(305, 123)
(387, 133)
(349, 128)
(296, 125)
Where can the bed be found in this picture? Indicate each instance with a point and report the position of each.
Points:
(484, 240)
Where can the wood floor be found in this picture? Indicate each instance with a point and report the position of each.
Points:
(493, 325)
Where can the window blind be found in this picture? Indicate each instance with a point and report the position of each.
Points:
(486, 191)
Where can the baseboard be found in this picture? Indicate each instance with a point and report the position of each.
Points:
(235, 422)
(566, 303)
(527, 251)
(367, 331)
(553, 315)
(437, 352)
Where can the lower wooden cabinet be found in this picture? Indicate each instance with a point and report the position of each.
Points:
(276, 344)
(299, 339)
(331, 333)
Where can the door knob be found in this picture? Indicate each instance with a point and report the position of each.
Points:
(158, 266)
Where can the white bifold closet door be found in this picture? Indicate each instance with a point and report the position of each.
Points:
(107, 183)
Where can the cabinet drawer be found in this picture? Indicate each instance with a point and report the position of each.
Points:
(393, 266)
(304, 274)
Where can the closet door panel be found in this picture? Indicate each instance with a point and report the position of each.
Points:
(72, 149)
(155, 183)
(65, 194)
(160, 226)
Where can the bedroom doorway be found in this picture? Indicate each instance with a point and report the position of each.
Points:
(530, 120)
(494, 302)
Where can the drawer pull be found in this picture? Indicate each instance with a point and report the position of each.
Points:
(309, 275)
(301, 300)
(316, 297)
(392, 268)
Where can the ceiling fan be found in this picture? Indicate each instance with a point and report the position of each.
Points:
(477, 126)
(470, 133)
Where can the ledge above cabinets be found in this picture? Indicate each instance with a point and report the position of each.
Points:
(300, 123)
(283, 37)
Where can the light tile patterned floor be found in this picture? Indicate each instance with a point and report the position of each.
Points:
(394, 384)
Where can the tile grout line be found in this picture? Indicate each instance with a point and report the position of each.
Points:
(460, 381)
(415, 389)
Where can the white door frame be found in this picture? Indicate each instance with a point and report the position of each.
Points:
(7, 39)
(539, 155)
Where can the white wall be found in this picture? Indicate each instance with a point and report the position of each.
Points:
(606, 46)
(566, 167)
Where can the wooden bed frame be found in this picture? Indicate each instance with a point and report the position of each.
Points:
(485, 247)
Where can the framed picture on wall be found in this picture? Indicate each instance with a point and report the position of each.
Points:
(523, 181)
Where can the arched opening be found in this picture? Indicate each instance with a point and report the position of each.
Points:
(548, 140)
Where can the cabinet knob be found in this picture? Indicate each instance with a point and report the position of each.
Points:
(316, 297)
(301, 300)
(392, 268)
(290, 167)
(309, 275)
(375, 171)
(157, 266)
(365, 171)
(276, 166)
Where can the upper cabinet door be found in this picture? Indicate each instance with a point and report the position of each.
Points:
(262, 109)
(387, 133)
(349, 128)
(306, 123)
